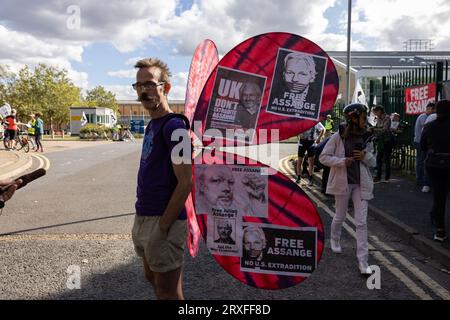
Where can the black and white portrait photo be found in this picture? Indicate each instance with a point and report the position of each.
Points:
(297, 84)
(235, 102)
(231, 189)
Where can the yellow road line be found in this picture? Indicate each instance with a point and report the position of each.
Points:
(409, 283)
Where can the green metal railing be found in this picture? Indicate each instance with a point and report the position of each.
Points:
(393, 100)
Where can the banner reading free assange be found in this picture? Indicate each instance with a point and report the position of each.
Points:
(417, 98)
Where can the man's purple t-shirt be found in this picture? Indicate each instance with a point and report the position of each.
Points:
(156, 178)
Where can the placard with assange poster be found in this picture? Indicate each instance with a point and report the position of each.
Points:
(231, 189)
(273, 249)
(224, 234)
(297, 84)
(235, 102)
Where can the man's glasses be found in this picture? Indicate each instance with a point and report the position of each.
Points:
(147, 85)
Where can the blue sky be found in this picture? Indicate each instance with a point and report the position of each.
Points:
(112, 33)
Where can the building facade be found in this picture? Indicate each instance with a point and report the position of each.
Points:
(94, 115)
(371, 66)
(131, 110)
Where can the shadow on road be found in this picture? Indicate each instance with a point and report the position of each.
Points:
(66, 224)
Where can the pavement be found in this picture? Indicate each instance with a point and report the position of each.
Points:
(79, 217)
(401, 206)
(15, 163)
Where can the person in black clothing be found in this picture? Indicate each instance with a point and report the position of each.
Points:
(326, 170)
(385, 143)
(435, 142)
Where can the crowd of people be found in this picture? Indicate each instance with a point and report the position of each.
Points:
(357, 148)
(11, 127)
(349, 155)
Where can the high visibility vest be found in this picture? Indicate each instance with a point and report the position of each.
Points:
(31, 129)
(328, 125)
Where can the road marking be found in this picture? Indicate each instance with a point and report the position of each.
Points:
(63, 236)
(436, 288)
(46, 161)
(40, 160)
(424, 278)
(430, 283)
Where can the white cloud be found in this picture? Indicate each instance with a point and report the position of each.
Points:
(390, 23)
(179, 82)
(122, 92)
(19, 49)
(126, 24)
(132, 61)
(20, 45)
(80, 79)
(228, 22)
(123, 73)
(36, 31)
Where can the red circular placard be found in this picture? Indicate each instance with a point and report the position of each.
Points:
(288, 206)
(258, 56)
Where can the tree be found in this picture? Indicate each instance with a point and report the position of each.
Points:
(6, 79)
(47, 90)
(99, 97)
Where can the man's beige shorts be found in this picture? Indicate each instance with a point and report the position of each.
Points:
(162, 252)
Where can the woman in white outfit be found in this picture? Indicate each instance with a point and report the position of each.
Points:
(349, 153)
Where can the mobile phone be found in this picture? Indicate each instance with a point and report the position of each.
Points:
(358, 147)
(26, 178)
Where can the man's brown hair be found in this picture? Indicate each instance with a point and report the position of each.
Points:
(155, 62)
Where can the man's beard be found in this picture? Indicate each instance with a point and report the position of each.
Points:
(149, 103)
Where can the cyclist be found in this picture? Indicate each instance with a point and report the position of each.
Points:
(11, 130)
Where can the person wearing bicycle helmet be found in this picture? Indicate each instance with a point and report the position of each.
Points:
(349, 153)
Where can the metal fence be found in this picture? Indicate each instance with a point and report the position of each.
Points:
(393, 100)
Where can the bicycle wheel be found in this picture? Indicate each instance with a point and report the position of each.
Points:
(25, 145)
(18, 145)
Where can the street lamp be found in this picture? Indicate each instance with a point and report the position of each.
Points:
(349, 36)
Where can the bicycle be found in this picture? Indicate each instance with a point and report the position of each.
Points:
(128, 135)
(22, 142)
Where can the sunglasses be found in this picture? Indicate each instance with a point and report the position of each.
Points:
(147, 85)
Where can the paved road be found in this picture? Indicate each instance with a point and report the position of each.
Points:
(81, 214)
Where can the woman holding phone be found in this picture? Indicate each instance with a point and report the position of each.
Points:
(349, 154)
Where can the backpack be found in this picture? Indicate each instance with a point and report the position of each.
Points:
(193, 228)
(171, 116)
(436, 160)
(439, 161)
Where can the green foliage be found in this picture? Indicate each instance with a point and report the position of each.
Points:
(99, 97)
(45, 89)
(94, 131)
